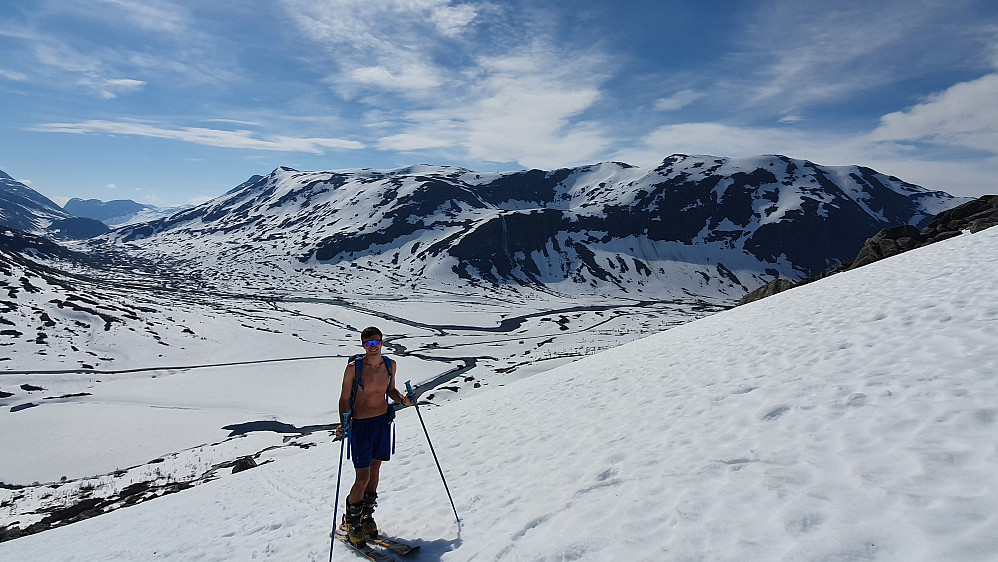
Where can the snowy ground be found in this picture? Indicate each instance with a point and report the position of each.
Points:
(853, 418)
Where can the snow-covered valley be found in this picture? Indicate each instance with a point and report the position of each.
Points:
(850, 418)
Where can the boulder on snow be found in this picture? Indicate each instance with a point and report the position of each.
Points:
(888, 242)
(973, 216)
(242, 464)
(769, 289)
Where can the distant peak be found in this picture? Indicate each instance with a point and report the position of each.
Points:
(3, 175)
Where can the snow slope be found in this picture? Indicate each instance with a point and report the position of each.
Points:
(853, 418)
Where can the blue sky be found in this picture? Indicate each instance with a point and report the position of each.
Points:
(173, 101)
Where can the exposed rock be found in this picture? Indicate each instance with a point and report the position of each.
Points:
(888, 242)
(769, 289)
(242, 464)
(974, 216)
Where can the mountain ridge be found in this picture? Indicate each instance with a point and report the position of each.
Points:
(717, 225)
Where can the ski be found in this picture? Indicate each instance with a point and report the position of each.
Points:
(398, 546)
(365, 550)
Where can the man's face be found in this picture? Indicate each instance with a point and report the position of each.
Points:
(372, 344)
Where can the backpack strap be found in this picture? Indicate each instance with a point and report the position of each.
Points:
(358, 362)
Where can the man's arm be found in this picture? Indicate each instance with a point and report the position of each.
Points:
(345, 392)
(394, 393)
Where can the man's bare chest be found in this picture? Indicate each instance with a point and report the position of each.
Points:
(374, 380)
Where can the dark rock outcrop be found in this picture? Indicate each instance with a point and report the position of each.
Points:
(244, 463)
(972, 216)
(888, 242)
(768, 290)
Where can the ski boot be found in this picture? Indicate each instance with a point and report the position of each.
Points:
(354, 527)
(367, 521)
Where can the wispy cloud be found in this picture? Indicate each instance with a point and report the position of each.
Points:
(211, 137)
(906, 143)
(679, 100)
(489, 97)
(88, 46)
(114, 87)
(13, 75)
(150, 15)
(385, 44)
(964, 115)
(523, 107)
(807, 52)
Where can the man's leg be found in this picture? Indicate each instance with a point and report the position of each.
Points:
(371, 499)
(373, 477)
(362, 482)
(355, 506)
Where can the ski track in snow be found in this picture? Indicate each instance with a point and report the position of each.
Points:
(849, 419)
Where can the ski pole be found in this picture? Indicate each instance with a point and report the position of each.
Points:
(408, 388)
(336, 500)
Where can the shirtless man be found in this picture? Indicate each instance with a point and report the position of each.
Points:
(370, 430)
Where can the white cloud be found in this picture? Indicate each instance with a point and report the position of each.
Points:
(210, 137)
(969, 177)
(678, 100)
(523, 107)
(713, 139)
(384, 45)
(965, 115)
(453, 20)
(112, 88)
(404, 77)
(52, 53)
(807, 52)
(431, 83)
(150, 15)
(111, 186)
(391, 26)
(13, 75)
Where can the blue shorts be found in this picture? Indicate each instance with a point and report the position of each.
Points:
(370, 438)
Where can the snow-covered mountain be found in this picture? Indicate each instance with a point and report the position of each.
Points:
(852, 418)
(24, 209)
(692, 225)
(119, 212)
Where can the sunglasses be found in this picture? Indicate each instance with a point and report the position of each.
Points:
(372, 343)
